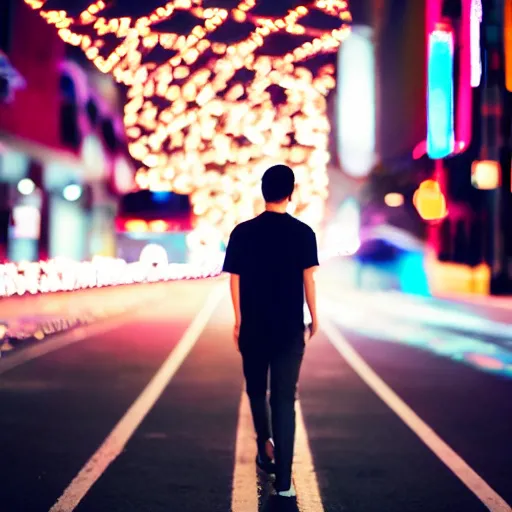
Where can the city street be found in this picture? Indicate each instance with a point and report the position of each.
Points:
(148, 149)
(404, 406)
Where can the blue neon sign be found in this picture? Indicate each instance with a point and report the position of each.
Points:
(440, 130)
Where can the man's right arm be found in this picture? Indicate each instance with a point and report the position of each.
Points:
(232, 265)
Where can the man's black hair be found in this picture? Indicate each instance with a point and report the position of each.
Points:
(277, 183)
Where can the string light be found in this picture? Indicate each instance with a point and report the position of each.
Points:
(65, 275)
(197, 128)
(30, 278)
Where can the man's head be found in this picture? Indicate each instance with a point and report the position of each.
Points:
(277, 184)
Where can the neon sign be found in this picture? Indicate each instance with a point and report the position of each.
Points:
(464, 91)
(440, 97)
(356, 104)
(476, 62)
(507, 43)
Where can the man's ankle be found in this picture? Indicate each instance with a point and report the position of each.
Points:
(286, 490)
(266, 449)
(269, 449)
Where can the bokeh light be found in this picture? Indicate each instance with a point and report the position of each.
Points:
(154, 254)
(207, 118)
(26, 186)
(430, 201)
(485, 174)
(356, 103)
(394, 199)
(72, 192)
(343, 232)
(62, 274)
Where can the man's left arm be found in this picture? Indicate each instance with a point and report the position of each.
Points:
(310, 266)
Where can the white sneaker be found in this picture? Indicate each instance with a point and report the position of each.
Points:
(290, 493)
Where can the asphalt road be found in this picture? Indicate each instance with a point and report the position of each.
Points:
(148, 415)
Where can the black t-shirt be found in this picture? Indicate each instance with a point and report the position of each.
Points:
(270, 254)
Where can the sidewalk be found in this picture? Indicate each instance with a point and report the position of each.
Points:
(33, 318)
(347, 275)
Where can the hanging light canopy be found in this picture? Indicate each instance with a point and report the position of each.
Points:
(216, 95)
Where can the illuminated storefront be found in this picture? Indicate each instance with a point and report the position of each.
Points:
(61, 144)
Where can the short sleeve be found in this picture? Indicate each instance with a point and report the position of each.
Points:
(310, 251)
(233, 259)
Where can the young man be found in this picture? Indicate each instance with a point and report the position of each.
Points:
(272, 259)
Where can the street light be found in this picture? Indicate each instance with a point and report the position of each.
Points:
(26, 186)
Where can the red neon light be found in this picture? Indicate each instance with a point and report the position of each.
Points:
(465, 92)
(138, 225)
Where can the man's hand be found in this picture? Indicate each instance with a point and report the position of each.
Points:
(235, 296)
(310, 292)
(312, 330)
(236, 334)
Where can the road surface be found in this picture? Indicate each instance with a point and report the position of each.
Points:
(405, 405)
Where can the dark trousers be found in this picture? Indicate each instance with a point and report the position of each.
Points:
(284, 366)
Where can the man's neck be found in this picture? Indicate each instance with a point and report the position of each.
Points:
(276, 207)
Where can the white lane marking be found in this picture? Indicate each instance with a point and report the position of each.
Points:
(122, 432)
(304, 476)
(476, 484)
(245, 491)
(244, 497)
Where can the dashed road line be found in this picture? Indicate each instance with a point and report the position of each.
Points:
(474, 482)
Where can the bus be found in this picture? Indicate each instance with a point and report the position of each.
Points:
(154, 218)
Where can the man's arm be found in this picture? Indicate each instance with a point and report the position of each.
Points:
(310, 292)
(310, 266)
(232, 265)
(235, 298)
